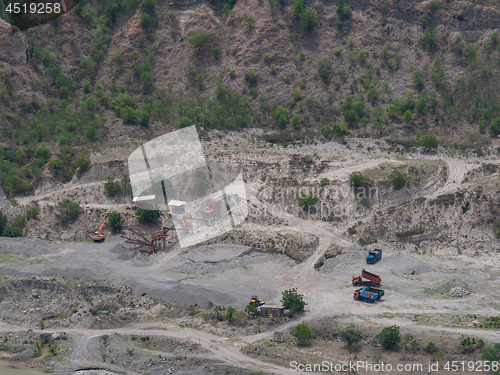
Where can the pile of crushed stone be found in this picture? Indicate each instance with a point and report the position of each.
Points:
(455, 288)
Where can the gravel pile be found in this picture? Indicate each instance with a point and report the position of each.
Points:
(350, 257)
(454, 288)
(459, 289)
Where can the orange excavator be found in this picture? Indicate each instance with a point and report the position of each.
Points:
(98, 236)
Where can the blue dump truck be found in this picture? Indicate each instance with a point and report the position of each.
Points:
(374, 256)
(368, 294)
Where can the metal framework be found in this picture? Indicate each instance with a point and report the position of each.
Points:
(150, 246)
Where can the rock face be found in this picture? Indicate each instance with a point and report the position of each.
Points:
(12, 45)
(3, 197)
(97, 172)
(45, 184)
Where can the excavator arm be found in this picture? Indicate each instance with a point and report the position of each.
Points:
(99, 237)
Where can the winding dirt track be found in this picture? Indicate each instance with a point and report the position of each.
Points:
(228, 350)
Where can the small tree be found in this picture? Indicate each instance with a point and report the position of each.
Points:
(83, 163)
(492, 354)
(68, 211)
(282, 121)
(407, 116)
(149, 214)
(418, 80)
(303, 334)
(343, 10)
(251, 77)
(3, 222)
(148, 6)
(495, 127)
(295, 121)
(292, 300)
(308, 19)
(19, 221)
(146, 20)
(115, 220)
(429, 141)
(350, 336)
(308, 201)
(357, 179)
(249, 20)
(326, 131)
(33, 213)
(13, 231)
(229, 313)
(251, 310)
(200, 38)
(398, 178)
(389, 337)
(112, 187)
(144, 119)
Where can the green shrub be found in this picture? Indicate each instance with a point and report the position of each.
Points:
(83, 163)
(308, 19)
(350, 116)
(146, 20)
(297, 94)
(216, 52)
(303, 334)
(357, 179)
(42, 153)
(3, 222)
(418, 80)
(13, 231)
(32, 214)
(296, 121)
(343, 10)
(19, 221)
(251, 77)
(430, 37)
(112, 187)
(148, 6)
(340, 129)
(429, 141)
(407, 117)
(292, 300)
(229, 313)
(389, 337)
(308, 201)
(200, 38)
(280, 113)
(298, 8)
(350, 336)
(492, 353)
(71, 210)
(398, 178)
(128, 114)
(424, 20)
(144, 118)
(149, 214)
(115, 220)
(471, 52)
(494, 128)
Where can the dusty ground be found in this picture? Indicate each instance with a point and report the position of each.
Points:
(417, 275)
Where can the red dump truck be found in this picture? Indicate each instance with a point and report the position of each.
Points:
(371, 279)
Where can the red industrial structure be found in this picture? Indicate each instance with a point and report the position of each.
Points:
(151, 246)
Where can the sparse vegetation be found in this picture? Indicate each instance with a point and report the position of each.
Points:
(292, 300)
(303, 334)
(389, 337)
